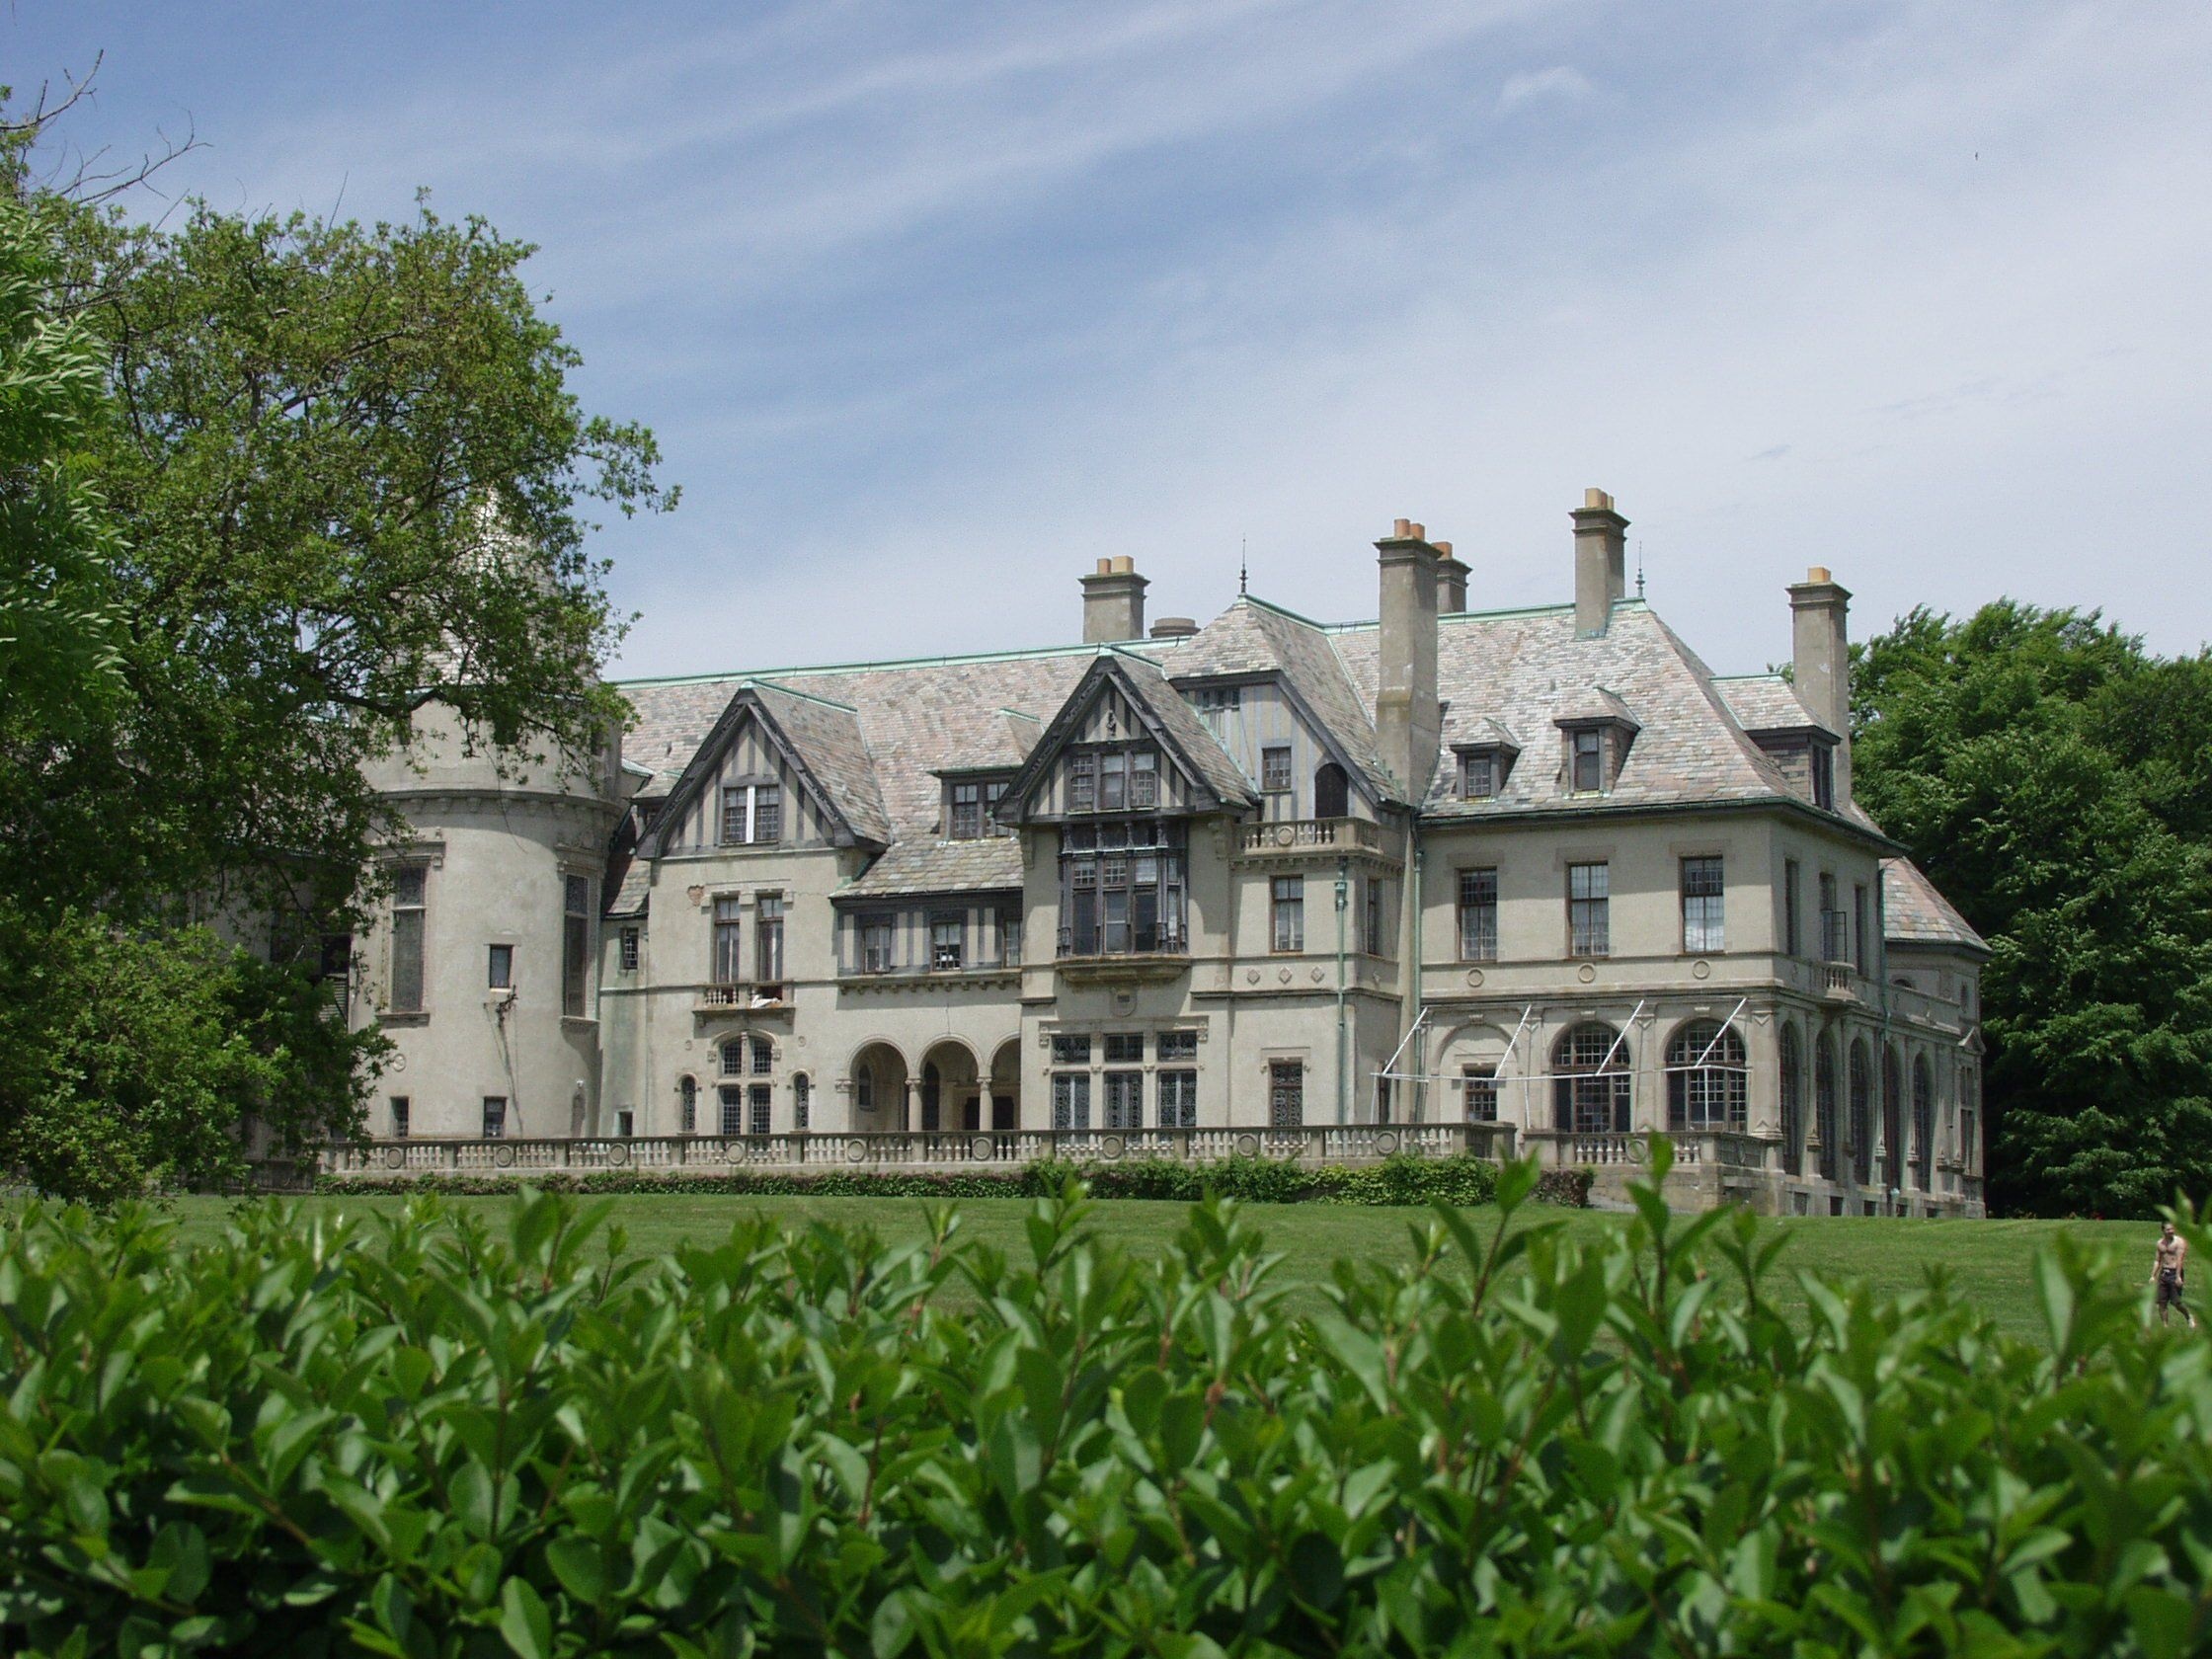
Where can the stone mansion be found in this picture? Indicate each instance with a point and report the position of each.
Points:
(1534, 879)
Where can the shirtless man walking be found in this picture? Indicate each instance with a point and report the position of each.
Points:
(2169, 1261)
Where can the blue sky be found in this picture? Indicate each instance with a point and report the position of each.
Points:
(933, 306)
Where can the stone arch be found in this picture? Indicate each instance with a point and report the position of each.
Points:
(876, 1077)
(1471, 1061)
(1859, 1091)
(951, 1087)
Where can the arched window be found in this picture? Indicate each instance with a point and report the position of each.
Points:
(1893, 1121)
(1331, 797)
(1862, 1117)
(688, 1105)
(1707, 1077)
(732, 1058)
(1792, 1103)
(1923, 1125)
(1590, 1085)
(802, 1100)
(1824, 1103)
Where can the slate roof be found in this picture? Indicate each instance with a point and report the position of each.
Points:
(1915, 914)
(1189, 733)
(1255, 637)
(1523, 669)
(1591, 704)
(1767, 703)
(986, 864)
(827, 738)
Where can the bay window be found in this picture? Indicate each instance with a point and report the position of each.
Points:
(1122, 889)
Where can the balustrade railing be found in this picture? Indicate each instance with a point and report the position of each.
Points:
(1292, 835)
(1331, 1143)
(1692, 1149)
(751, 994)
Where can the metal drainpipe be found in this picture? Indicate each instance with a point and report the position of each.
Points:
(1343, 881)
(1412, 955)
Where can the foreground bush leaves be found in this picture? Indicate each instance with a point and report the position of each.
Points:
(434, 1436)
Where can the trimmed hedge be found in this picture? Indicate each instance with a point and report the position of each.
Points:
(437, 1435)
(1402, 1180)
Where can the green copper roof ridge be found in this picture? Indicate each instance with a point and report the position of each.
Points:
(757, 680)
(951, 661)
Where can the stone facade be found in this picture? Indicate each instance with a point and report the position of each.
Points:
(1533, 877)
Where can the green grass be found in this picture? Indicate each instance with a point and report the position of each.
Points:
(1990, 1261)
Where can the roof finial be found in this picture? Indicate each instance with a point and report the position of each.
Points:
(1640, 567)
(1244, 569)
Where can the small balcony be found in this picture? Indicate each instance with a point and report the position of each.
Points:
(751, 996)
(1122, 956)
(1301, 838)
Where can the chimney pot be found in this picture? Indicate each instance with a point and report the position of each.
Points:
(1819, 572)
(1443, 548)
(1105, 567)
(1174, 627)
(1418, 532)
(1595, 497)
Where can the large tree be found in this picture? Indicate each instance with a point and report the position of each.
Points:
(2055, 780)
(272, 485)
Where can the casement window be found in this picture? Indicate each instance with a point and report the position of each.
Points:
(1082, 782)
(625, 1123)
(1286, 913)
(1286, 1093)
(1823, 1104)
(1275, 769)
(1859, 927)
(729, 940)
(1969, 1123)
(801, 1102)
(1122, 889)
(499, 967)
(1216, 703)
(1072, 1101)
(1125, 1048)
(1144, 779)
(1860, 1079)
(1589, 921)
(576, 944)
(1835, 926)
(1480, 1085)
(1113, 781)
(1179, 1044)
(1125, 1100)
(1005, 927)
(1478, 775)
(1791, 1061)
(1708, 1079)
(767, 910)
(1586, 761)
(409, 927)
(688, 1105)
(1371, 914)
(402, 1109)
(864, 1090)
(993, 792)
(1072, 1051)
(495, 1116)
(752, 813)
(1703, 907)
(733, 1109)
(763, 1057)
(1178, 1099)
(1382, 1099)
(947, 936)
(759, 1102)
(1478, 916)
(630, 950)
(732, 1058)
(1592, 1091)
(1823, 761)
(1791, 933)
(879, 944)
(967, 812)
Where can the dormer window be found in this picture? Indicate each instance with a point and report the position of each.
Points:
(1483, 772)
(1823, 761)
(1597, 729)
(973, 808)
(1588, 777)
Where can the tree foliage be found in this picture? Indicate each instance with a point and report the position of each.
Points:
(271, 485)
(2055, 782)
(456, 1433)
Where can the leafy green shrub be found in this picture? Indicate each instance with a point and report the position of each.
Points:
(436, 1436)
(1404, 1179)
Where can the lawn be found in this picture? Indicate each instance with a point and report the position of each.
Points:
(1988, 1261)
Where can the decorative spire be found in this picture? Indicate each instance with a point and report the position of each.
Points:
(1640, 567)
(1244, 569)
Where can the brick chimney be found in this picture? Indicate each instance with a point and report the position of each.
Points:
(1601, 562)
(1451, 581)
(1114, 603)
(1406, 718)
(1820, 662)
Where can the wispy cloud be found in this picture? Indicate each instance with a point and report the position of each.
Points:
(1560, 82)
